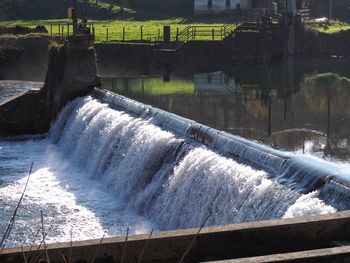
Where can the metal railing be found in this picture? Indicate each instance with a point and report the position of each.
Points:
(205, 32)
(146, 33)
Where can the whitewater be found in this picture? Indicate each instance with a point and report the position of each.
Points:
(101, 170)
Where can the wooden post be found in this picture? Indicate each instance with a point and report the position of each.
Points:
(62, 30)
(93, 31)
(213, 33)
(51, 30)
(177, 34)
(158, 34)
(68, 30)
(59, 30)
(75, 17)
(123, 33)
(106, 33)
(141, 32)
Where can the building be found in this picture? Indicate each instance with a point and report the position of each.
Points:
(207, 7)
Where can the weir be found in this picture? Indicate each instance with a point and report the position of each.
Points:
(300, 173)
(172, 172)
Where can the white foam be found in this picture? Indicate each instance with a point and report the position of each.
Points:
(308, 205)
(110, 170)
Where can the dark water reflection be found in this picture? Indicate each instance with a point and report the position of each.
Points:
(301, 106)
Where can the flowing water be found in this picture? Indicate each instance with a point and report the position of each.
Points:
(101, 170)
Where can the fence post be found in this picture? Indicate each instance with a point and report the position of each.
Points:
(68, 30)
(59, 30)
(106, 34)
(213, 33)
(51, 30)
(158, 34)
(177, 34)
(93, 32)
(141, 32)
(62, 30)
(166, 34)
(123, 33)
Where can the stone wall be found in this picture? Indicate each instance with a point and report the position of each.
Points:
(130, 59)
(71, 73)
(320, 44)
(115, 59)
(24, 58)
(26, 114)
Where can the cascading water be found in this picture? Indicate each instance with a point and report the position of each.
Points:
(102, 169)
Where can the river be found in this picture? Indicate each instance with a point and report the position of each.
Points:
(100, 170)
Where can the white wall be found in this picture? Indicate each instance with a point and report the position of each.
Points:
(219, 6)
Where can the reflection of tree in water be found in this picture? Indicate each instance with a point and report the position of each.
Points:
(305, 105)
(291, 107)
(333, 93)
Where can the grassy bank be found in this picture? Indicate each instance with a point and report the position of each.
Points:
(151, 29)
(329, 27)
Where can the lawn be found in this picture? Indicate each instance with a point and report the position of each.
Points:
(134, 30)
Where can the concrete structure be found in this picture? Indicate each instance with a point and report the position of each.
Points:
(210, 7)
(71, 73)
(314, 239)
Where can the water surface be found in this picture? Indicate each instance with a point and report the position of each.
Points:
(300, 106)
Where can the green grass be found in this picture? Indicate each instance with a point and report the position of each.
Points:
(330, 27)
(151, 29)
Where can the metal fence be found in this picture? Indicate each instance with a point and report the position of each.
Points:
(146, 33)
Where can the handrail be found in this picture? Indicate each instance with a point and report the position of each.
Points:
(191, 32)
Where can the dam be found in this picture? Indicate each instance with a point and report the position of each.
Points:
(109, 163)
(112, 166)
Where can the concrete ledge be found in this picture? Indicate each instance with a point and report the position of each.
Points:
(336, 254)
(239, 241)
(25, 113)
(15, 89)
